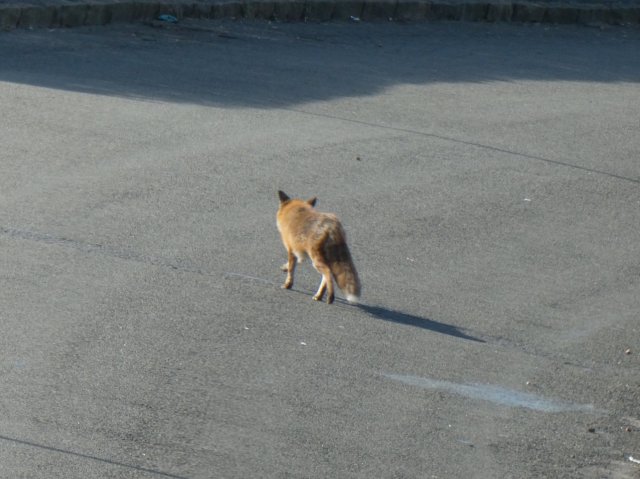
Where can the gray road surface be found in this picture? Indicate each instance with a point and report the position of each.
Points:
(488, 177)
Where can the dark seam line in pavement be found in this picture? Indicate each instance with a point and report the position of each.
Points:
(93, 248)
(93, 458)
(99, 249)
(469, 143)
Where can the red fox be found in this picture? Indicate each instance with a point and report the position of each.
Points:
(306, 232)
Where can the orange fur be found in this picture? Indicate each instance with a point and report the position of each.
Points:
(320, 236)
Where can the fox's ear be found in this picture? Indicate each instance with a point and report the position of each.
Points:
(283, 196)
(312, 201)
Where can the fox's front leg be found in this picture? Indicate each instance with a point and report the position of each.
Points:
(289, 268)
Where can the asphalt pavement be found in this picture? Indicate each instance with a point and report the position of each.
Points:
(487, 176)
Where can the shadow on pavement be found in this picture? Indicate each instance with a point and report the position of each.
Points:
(272, 65)
(399, 317)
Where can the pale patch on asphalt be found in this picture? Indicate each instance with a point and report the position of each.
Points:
(246, 276)
(495, 394)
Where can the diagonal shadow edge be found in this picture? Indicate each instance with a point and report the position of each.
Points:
(90, 457)
(400, 317)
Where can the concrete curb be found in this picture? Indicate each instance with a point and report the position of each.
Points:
(66, 13)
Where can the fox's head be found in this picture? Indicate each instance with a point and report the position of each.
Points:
(284, 198)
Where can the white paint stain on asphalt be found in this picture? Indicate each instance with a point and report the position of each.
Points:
(246, 276)
(495, 394)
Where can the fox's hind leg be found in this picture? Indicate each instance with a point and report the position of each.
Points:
(289, 268)
(327, 282)
(323, 287)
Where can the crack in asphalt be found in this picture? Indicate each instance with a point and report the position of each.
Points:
(89, 457)
(475, 144)
(96, 248)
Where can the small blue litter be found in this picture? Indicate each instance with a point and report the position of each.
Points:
(168, 18)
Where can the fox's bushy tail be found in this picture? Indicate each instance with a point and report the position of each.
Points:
(343, 270)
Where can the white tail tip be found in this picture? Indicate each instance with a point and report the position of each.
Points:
(352, 298)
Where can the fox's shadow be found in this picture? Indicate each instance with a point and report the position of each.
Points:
(399, 317)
